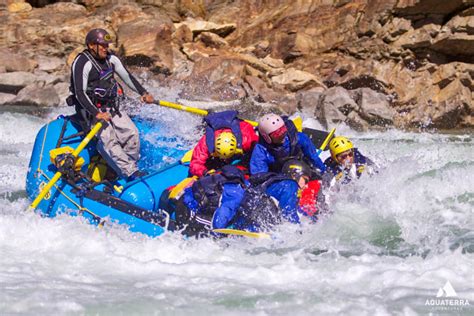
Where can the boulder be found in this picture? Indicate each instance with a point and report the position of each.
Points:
(262, 49)
(273, 62)
(335, 105)
(356, 122)
(19, 7)
(49, 79)
(146, 40)
(16, 62)
(456, 37)
(255, 63)
(309, 99)
(50, 64)
(126, 13)
(287, 103)
(450, 105)
(250, 71)
(194, 52)
(212, 40)
(199, 26)
(6, 98)
(422, 37)
(62, 90)
(37, 95)
(182, 35)
(294, 80)
(13, 82)
(374, 107)
(396, 27)
(260, 92)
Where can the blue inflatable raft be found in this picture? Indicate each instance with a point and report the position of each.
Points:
(135, 204)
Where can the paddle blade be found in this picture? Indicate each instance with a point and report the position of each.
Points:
(298, 121)
(317, 137)
(237, 232)
(187, 156)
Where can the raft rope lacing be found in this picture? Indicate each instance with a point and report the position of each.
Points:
(81, 208)
(42, 150)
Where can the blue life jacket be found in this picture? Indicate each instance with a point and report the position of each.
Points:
(220, 120)
(279, 152)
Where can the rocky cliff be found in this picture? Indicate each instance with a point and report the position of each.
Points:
(369, 63)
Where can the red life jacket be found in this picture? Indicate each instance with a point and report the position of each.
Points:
(309, 197)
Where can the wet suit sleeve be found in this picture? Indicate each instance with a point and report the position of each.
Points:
(126, 76)
(80, 71)
(286, 192)
(364, 163)
(232, 195)
(260, 160)
(197, 167)
(310, 151)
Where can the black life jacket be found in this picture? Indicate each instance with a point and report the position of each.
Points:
(208, 190)
(279, 152)
(102, 87)
(220, 120)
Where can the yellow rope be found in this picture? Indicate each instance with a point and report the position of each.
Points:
(67, 197)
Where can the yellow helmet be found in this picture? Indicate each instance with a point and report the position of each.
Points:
(339, 145)
(225, 145)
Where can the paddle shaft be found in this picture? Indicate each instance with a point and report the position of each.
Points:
(328, 138)
(238, 232)
(58, 174)
(191, 109)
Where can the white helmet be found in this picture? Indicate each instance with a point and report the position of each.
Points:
(268, 124)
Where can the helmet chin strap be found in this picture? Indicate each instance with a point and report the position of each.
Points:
(95, 52)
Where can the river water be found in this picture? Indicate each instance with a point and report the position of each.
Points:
(392, 242)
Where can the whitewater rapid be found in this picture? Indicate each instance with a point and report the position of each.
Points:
(392, 242)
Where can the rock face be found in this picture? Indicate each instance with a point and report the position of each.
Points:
(368, 63)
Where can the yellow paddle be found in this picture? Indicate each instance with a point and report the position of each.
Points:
(328, 138)
(191, 109)
(238, 232)
(58, 174)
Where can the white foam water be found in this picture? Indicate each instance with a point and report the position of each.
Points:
(393, 240)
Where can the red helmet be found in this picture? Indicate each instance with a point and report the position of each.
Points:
(98, 36)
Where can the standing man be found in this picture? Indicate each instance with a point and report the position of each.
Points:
(95, 94)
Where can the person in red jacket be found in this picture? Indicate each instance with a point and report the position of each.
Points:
(226, 140)
(311, 201)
